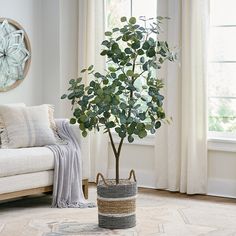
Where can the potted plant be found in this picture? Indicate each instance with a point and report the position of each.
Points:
(126, 101)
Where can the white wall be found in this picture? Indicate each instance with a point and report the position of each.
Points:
(222, 173)
(28, 14)
(52, 27)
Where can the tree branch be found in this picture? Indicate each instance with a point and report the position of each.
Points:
(120, 146)
(112, 144)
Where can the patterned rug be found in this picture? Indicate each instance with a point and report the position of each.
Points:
(158, 213)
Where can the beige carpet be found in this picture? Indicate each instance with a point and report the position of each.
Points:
(158, 213)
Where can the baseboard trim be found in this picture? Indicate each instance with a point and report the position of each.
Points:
(221, 187)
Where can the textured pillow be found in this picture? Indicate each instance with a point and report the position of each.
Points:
(26, 126)
(53, 124)
(1, 121)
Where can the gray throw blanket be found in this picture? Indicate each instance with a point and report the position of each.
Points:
(67, 186)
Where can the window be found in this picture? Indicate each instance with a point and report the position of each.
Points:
(222, 69)
(116, 9)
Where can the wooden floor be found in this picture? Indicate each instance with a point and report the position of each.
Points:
(200, 197)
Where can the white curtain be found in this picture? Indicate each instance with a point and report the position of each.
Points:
(181, 150)
(91, 31)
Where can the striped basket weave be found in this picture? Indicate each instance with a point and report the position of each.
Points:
(116, 203)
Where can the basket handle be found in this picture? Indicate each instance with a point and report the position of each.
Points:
(103, 179)
(132, 173)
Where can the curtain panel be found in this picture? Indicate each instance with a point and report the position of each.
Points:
(90, 35)
(181, 157)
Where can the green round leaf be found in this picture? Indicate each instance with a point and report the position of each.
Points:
(142, 133)
(142, 59)
(129, 73)
(84, 133)
(107, 114)
(132, 20)
(105, 43)
(118, 129)
(151, 52)
(125, 38)
(119, 38)
(71, 96)
(108, 33)
(63, 96)
(146, 45)
(123, 106)
(115, 29)
(130, 139)
(145, 66)
(90, 67)
(153, 131)
(148, 126)
(112, 69)
(83, 118)
(142, 116)
(110, 125)
(113, 75)
(79, 80)
(72, 121)
(157, 125)
(140, 52)
(122, 134)
(100, 92)
(123, 19)
(114, 46)
(121, 77)
(103, 53)
(105, 81)
(97, 75)
(128, 51)
(135, 45)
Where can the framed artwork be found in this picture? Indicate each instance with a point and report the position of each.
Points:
(15, 54)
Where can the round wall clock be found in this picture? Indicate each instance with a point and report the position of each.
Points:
(15, 52)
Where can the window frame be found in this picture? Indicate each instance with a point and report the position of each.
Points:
(216, 138)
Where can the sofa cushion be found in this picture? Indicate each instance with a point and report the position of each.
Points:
(26, 181)
(26, 126)
(25, 160)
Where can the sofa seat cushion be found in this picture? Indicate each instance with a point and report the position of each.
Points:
(25, 160)
(16, 183)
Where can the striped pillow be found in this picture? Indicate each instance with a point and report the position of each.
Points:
(26, 126)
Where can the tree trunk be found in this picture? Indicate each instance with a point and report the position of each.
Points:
(117, 155)
(117, 169)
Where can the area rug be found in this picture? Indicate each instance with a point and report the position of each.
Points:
(157, 214)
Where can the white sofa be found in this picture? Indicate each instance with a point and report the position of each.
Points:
(27, 171)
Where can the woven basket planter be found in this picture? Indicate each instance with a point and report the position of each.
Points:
(116, 202)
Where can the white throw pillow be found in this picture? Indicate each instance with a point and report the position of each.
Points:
(1, 121)
(26, 126)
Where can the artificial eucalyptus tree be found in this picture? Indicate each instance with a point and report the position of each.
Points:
(126, 98)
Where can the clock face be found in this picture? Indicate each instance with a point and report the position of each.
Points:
(15, 54)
